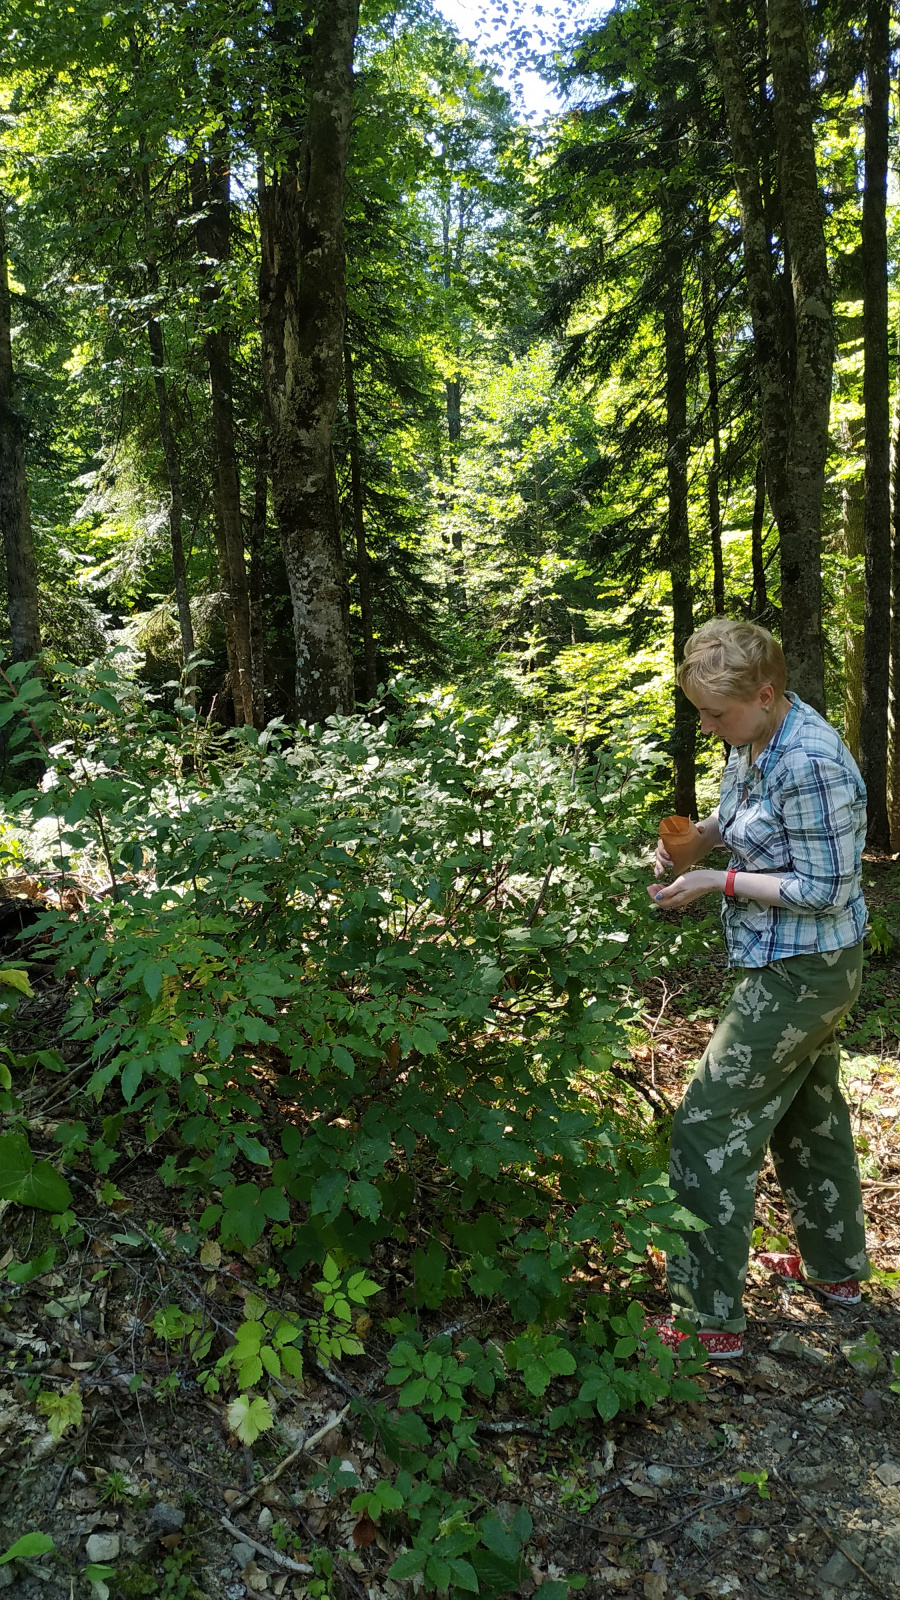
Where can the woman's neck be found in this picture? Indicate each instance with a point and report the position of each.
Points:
(780, 710)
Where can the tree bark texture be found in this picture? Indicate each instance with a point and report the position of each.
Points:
(759, 600)
(794, 347)
(165, 429)
(257, 560)
(172, 457)
(363, 569)
(853, 503)
(894, 703)
(715, 471)
(873, 721)
(15, 516)
(212, 196)
(684, 738)
(224, 589)
(303, 313)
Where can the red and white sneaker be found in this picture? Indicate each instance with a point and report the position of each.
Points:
(789, 1268)
(721, 1346)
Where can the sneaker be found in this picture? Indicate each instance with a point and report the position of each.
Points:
(721, 1346)
(789, 1268)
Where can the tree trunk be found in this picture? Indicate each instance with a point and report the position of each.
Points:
(211, 187)
(715, 471)
(257, 548)
(894, 702)
(759, 600)
(873, 721)
(167, 439)
(15, 515)
(684, 738)
(176, 493)
(224, 588)
(807, 439)
(363, 571)
(453, 390)
(853, 504)
(793, 347)
(302, 314)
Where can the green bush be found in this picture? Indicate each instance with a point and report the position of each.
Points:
(369, 981)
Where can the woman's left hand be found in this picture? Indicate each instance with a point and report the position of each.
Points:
(689, 887)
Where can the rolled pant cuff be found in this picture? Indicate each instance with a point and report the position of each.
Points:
(700, 1320)
(820, 1277)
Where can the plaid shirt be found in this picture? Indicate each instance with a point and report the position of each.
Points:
(799, 810)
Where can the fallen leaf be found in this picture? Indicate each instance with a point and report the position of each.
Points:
(171, 1540)
(364, 1532)
(211, 1254)
(643, 1491)
(255, 1578)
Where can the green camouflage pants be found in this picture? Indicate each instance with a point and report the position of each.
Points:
(770, 1076)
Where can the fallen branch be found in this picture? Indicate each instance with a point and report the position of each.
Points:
(303, 1449)
(264, 1551)
(512, 1427)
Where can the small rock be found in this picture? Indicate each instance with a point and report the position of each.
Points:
(103, 1547)
(824, 1409)
(758, 1539)
(166, 1519)
(235, 1591)
(6, 1577)
(242, 1554)
(264, 1520)
(822, 1476)
(660, 1474)
(599, 1468)
(838, 1571)
(870, 1399)
(791, 1344)
(43, 1445)
(704, 1534)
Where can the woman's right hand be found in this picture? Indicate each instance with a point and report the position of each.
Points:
(662, 861)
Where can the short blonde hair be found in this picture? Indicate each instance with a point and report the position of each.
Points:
(732, 659)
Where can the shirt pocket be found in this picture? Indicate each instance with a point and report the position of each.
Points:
(756, 834)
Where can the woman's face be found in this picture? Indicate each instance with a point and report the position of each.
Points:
(735, 721)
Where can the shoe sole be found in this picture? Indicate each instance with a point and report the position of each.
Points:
(714, 1355)
(836, 1299)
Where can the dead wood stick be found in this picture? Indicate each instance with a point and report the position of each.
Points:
(263, 1549)
(301, 1450)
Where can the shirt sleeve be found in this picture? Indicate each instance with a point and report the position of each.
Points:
(823, 811)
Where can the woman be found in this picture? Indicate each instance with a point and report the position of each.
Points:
(792, 811)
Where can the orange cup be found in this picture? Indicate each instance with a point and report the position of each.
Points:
(681, 838)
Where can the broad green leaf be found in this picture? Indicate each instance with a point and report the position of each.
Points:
(24, 1271)
(16, 1161)
(14, 978)
(45, 1189)
(30, 1545)
(249, 1418)
(63, 1411)
(408, 1564)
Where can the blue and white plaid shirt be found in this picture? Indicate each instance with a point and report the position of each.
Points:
(799, 810)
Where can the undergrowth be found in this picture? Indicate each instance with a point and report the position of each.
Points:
(353, 985)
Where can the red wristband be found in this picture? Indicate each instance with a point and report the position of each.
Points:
(730, 876)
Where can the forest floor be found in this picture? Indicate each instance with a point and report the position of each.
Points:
(153, 1485)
